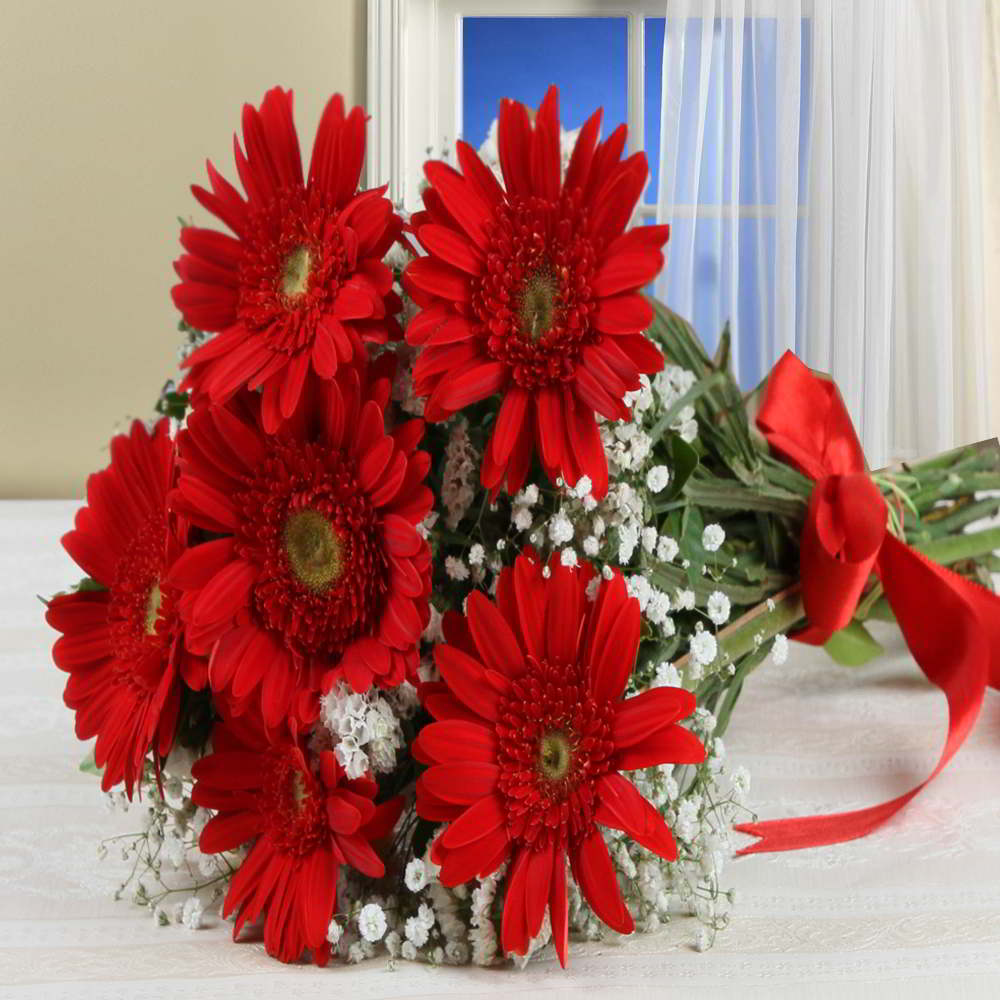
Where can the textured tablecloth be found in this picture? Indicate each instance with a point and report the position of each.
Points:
(911, 911)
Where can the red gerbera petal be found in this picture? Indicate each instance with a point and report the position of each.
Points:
(526, 763)
(559, 910)
(623, 808)
(537, 275)
(123, 646)
(595, 875)
(301, 266)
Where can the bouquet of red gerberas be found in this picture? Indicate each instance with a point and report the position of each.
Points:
(396, 621)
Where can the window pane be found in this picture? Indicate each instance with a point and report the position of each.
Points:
(653, 76)
(518, 57)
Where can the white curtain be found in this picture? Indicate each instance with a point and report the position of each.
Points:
(822, 175)
(991, 197)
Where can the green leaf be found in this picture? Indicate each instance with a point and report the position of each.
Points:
(89, 766)
(881, 610)
(692, 526)
(683, 460)
(750, 567)
(722, 352)
(78, 588)
(852, 646)
(173, 404)
(746, 666)
(677, 335)
(699, 389)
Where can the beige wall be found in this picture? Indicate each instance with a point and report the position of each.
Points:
(108, 109)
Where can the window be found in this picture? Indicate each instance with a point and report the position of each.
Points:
(432, 65)
(437, 69)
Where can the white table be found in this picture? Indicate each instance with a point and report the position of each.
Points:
(911, 911)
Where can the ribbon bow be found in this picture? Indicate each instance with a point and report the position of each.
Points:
(951, 625)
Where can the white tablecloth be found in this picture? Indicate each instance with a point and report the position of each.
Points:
(911, 911)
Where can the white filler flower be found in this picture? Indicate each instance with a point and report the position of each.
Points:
(718, 607)
(779, 651)
(712, 537)
(415, 876)
(371, 922)
(703, 648)
(657, 478)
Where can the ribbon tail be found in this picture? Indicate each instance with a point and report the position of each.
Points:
(952, 628)
(818, 831)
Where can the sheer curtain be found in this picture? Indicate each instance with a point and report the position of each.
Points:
(821, 172)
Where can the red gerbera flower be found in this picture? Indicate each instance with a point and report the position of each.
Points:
(320, 571)
(533, 292)
(533, 731)
(305, 823)
(123, 645)
(302, 284)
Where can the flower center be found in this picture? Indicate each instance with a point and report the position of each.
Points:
(538, 304)
(311, 530)
(295, 274)
(153, 603)
(138, 603)
(313, 548)
(535, 301)
(554, 743)
(554, 756)
(292, 805)
(293, 263)
(299, 791)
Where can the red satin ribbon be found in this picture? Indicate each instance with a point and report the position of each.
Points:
(952, 626)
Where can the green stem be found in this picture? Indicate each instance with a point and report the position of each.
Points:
(963, 515)
(668, 577)
(956, 548)
(761, 623)
(984, 453)
(747, 666)
(954, 486)
(787, 478)
(725, 496)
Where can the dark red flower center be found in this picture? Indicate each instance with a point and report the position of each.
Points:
(555, 756)
(555, 742)
(141, 610)
(313, 549)
(538, 303)
(293, 805)
(295, 259)
(312, 531)
(153, 603)
(535, 299)
(295, 275)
